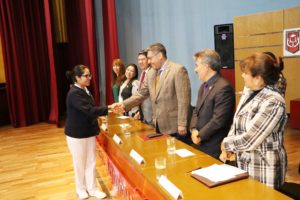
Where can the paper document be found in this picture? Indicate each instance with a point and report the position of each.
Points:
(104, 127)
(123, 117)
(218, 173)
(184, 153)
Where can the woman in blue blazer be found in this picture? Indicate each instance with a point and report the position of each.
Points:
(81, 130)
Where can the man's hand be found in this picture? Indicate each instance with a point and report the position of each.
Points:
(195, 138)
(137, 116)
(110, 107)
(182, 130)
(118, 108)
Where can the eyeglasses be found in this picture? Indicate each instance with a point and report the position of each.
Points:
(150, 57)
(87, 75)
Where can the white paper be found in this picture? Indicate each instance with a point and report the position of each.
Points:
(123, 117)
(232, 170)
(117, 139)
(137, 157)
(125, 125)
(170, 187)
(184, 153)
(104, 127)
(218, 173)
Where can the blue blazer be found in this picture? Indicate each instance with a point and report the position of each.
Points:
(82, 114)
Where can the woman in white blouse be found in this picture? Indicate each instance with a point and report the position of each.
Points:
(129, 87)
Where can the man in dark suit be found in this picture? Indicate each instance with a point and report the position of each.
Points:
(213, 114)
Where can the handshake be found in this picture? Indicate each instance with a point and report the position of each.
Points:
(117, 108)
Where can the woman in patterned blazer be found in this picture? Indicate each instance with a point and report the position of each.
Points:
(256, 135)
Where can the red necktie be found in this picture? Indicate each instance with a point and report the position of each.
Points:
(142, 78)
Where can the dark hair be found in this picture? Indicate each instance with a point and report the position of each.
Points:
(159, 48)
(143, 52)
(262, 64)
(78, 70)
(118, 79)
(209, 57)
(279, 63)
(136, 71)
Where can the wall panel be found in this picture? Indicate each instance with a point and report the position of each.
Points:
(241, 54)
(291, 72)
(292, 17)
(258, 40)
(258, 23)
(263, 32)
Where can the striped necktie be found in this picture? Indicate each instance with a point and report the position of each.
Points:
(142, 79)
(157, 80)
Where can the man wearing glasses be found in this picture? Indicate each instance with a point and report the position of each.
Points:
(145, 109)
(168, 86)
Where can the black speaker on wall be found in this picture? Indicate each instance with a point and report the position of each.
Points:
(224, 44)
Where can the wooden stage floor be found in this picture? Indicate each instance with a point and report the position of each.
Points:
(35, 163)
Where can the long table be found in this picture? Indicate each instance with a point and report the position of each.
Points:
(142, 177)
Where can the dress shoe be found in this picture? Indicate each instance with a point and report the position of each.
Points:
(82, 195)
(97, 194)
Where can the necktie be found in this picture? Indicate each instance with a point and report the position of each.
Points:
(205, 88)
(157, 81)
(142, 79)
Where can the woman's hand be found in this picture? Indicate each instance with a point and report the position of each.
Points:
(226, 155)
(223, 156)
(117, 108)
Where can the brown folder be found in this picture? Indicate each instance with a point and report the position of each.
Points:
(211, 184)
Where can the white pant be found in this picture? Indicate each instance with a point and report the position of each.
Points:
(83, 152)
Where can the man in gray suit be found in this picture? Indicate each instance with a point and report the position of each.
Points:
(168, 86)
(213, 114)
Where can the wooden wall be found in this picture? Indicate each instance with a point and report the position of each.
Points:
(264, 32)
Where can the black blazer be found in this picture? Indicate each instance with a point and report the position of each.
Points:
(213, 115)
(127, 91)
(82, 114)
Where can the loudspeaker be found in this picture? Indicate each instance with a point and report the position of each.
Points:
(224, 44)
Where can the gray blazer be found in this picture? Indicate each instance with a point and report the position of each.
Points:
(146, 107)
(213, 115)
(171, 102)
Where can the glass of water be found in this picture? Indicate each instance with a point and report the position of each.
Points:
(125, 129)
(160, 167)
(171, 148)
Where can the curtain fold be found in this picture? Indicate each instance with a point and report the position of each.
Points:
(54, 111)
(92, 46)
(110, 43)
(82, 39)
(26, 60)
